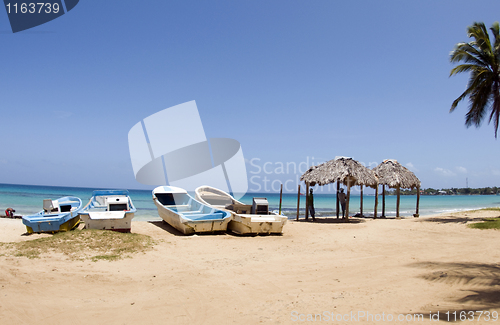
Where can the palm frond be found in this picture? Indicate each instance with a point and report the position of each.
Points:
(463, 68)
(481, 59)
(478, 101)
(495, 29)
(459, 99)
(463, 51)
(474, 82)
(495, 110)
(467, 53)
(479, 32)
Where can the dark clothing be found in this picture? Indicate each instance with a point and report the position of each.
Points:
(342, 204)
(311, 211)
(342, 199)
(310, 201)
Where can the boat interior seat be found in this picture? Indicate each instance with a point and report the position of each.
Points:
(98, 208)
(193, 210)
(210, 216)
(214, 199)
(181, 208)
(50, 206)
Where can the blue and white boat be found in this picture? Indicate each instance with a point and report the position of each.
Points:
(109, 210)
(181, 211)
(57, 215)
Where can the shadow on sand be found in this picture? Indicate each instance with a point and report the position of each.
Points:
(484, 293)
(165, 226)
(331, 220)
(452, 219)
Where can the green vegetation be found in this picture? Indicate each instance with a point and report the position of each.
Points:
(449, 191)
(480, 58)
(83, 244)
(489, 209)
(488, 223)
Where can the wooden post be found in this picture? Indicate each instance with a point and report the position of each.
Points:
(281, 197)
(383, 201)
(361, 202)
(376, 203)
(298, 204)
(418, 202)
(348, 198)
(397, 203)
(307, 201)
(338, 205)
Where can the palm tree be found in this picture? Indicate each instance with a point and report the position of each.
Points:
(481, 59)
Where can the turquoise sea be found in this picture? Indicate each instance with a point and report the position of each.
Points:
(27, 199)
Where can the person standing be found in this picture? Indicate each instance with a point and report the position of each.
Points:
(342, 198)
(311, 204)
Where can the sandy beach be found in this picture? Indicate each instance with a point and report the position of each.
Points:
(324, 271)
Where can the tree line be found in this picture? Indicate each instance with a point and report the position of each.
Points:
(449, 191)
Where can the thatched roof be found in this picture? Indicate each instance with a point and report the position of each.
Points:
(342, 169)
(392, 173)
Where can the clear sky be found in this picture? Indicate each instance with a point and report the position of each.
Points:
(293, 81)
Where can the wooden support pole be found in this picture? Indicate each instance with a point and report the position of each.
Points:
(397, 203)
(307, 201)
(298, 204)
(418, 202)
(338, 204)
(376, 203)
(383, 201)
(361, 202)
(348, 199)
(281, 197)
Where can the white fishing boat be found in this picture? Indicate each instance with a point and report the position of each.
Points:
(109, 210)
(181, 211)
(247, 219)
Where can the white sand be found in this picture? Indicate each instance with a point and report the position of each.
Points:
(377, 266)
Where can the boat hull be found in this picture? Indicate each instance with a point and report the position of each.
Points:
(52, 227)
(257, 224)
(115, 221)
(189, 227)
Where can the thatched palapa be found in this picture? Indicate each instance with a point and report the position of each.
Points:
(341, 170)
(391, 173)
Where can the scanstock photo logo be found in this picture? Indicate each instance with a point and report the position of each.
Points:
(26, 14)
(170, 148)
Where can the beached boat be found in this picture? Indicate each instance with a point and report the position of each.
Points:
(109, 210)
(57, 215)
(181, 211)
(247, 219)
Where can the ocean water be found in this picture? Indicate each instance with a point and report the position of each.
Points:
(28, 199)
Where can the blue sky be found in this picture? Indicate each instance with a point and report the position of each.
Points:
(293, 81)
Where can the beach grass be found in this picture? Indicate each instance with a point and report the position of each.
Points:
(487, 223)
(86, 244)
(489, 209)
